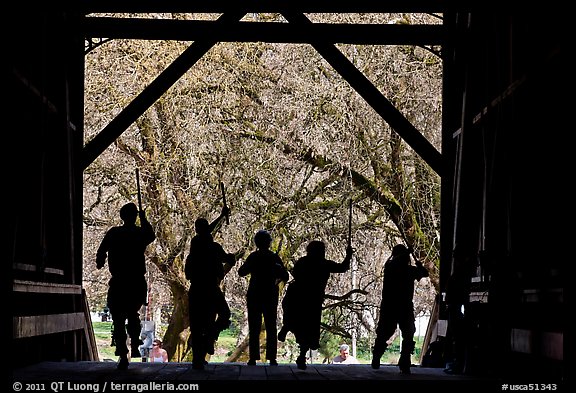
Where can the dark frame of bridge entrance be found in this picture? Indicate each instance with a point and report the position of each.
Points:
(493, 114)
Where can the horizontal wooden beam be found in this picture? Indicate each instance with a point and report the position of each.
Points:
(46, 287)
(39, 325)
(267, 6)
(539, 343)
(34, 268)
(192, 30)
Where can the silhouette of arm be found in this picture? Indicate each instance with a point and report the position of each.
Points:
(345, 265)
(102, 252)
(281, 271)
(228, 260)
(218, 221)
(188, 268)
(421, 271)
(148, 232)
(246, 267)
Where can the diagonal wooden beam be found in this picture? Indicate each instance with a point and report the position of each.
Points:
(374, 98)
(151, 94)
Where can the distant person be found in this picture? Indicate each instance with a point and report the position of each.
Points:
(344, 356)
(157, 353)
(396, 307)
(302, 303)
(266, 271)
(147, 338)
(208, 310)
(125, 246)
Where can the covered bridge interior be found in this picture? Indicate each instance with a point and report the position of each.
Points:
(505, 79)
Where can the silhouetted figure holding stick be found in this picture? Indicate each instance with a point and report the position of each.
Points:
(208, 310)
(125, 246)
(396, 307)
(302, 304)
(266, 271)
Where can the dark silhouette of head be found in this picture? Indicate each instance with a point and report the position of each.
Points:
(316, 249)
(263, 239)
(399, 249)
(202, 226)
(400, 253)
(128, 213)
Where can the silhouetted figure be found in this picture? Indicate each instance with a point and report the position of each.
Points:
(396, 307)
(266, 271)
(302, 304)
(124, 246)
(208, 310)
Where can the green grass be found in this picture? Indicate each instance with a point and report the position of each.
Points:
(227, 344)
(102, 334)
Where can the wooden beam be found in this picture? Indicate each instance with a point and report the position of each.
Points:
(150, 94)
(192, 30)
(46, 287)
(89, 329)
(39, 325)
(35, 268)
(268, 6)
(375, 99)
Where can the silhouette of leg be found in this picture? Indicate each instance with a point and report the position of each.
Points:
(377, 353)
(384, 330)
(301, 360)
(134, 327)
(254, 327)
(271, 332)
(120, 337)
(408, 329)
(378, 350)
(404, 363)
(223, 313)
(282, 334)
(123, 363)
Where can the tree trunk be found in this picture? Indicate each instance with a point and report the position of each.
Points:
(241, 351)
(176, 336)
